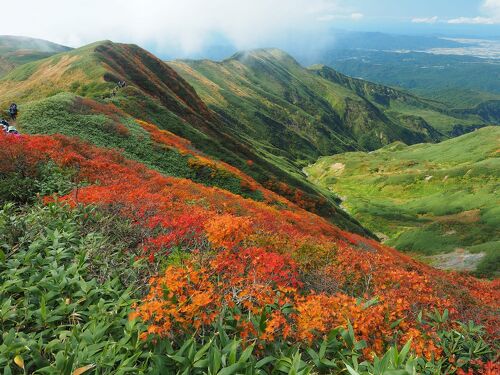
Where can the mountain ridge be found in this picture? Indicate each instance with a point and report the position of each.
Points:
(275, 87)
(157, 94)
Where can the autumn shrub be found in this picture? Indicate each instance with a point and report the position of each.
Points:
(245, 264)
(258, 265)
(105, 125)
(121, 130)
(191, 304)
(228, 230)
(22, 178)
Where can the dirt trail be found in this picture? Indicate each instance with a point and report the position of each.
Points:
(337, 168)
(459, 260)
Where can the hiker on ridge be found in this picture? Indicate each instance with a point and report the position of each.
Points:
(13, 111)
(12, 130)
(4, 125)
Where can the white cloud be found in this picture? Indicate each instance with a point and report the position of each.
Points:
(185, 24)
(356, 16)
(425, 20)
(492, 9)
(491, 15)
(492, 6)
(473, 20)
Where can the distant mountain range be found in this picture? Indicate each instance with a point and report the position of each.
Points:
(460, 81)
(461, 71)
(18, 50)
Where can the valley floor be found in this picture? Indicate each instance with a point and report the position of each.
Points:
(437, 201)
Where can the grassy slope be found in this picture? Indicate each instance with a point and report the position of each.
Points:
(106, 126)
(283, 106)
(460, 81)
(406, 108)
(16, 50)
(391, 192)
(154, 93)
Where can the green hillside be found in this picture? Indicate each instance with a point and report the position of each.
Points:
(75, 93)
(426, 199)
(18, 50)
(284, 107)
(406, 108)
(459, 80)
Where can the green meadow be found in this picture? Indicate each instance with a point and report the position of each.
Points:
(427, 199)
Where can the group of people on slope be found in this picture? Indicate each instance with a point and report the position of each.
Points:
(5, 126)
(119, 85)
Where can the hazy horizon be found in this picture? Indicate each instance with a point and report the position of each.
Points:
(188, 28)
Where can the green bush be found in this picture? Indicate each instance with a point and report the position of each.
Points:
(66, 114)
(55, 314)
(47, 179)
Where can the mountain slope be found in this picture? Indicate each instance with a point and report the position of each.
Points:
(427, 199)
(301, 113)
(135, 250)
(460, 80)
(45, 91)
(408, 108)
(120, 267)
(287, 108)
(18, 50)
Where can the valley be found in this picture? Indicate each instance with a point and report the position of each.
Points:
(425, 199)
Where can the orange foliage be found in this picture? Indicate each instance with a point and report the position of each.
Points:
(302, 199)
(121, 130)
(93, 106)
(198, 161)
(167, 138)
(265, 254)
(182, 296)
(227, 230)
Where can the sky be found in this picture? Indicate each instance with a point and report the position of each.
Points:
(188, 26)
